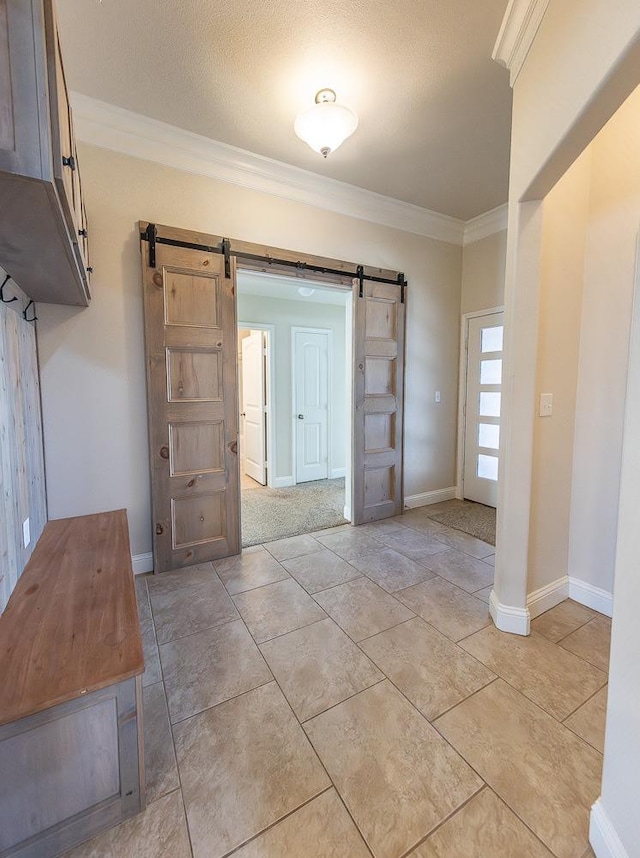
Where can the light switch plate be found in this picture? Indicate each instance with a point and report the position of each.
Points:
(26, 532)
(437, 396)
(546, 404)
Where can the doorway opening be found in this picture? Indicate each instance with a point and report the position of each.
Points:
(294, 378)
(480, 410)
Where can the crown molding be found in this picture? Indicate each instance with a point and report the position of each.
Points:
(111, 127)
(517, 32)
(485, 224)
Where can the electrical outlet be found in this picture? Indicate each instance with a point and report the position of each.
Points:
(26, 533)
(546, 405)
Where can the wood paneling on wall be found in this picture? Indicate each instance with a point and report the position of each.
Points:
(22, 486)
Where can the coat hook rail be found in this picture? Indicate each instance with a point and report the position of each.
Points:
(34, 318)
(2, 298)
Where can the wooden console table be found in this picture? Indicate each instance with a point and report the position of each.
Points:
(71, 664)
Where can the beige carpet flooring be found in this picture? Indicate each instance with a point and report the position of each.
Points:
(269, 514)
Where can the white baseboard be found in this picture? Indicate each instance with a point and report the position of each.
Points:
(338, 472)
(603, 836)
(426, 498)
(142, 563)
(283, 482)
(347, 512)
(548, 597)
(509, 619)
(593, 597)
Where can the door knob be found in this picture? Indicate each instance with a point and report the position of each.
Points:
(242, 414)
(300, 416)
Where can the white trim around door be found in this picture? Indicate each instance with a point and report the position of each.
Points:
(462, 391)
(270, 345)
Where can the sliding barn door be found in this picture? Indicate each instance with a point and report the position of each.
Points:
(378, 389)
(190, 335)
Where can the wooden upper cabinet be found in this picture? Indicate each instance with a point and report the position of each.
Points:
(43, 229)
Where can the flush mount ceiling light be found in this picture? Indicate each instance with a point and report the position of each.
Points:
(305, 291)
(327, 124)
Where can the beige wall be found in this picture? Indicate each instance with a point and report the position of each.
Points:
(483, 269)
(566, 211)
(93, 360)
(614, 218)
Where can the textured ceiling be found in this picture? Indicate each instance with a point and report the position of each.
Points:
(434, 109)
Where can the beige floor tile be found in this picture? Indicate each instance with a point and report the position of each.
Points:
(490, 560)
(466, 543)
(252, 568)
(350, 543)
(321, 570)
(591, 642)
(588, 721)
(432, 672)
(320, 829)
(190, 608)
(277, 609)
(204, 669)
(142, 594)
(152, 671)
(159, 758)
(318, 666)
(390, 570)
(460, 569)
(244, 765)
(361, 608)
(484, 594)
(340, 528)
(293, 546)
(561, 620)
(483, 828)
(556, 680)
(396, 775)
(417, 546)
(547, 775)
(450, 610)
(417, 520)
(386, 527)
(190, 576)
(157, 832)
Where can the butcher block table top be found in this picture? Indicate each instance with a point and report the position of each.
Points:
(71, 625)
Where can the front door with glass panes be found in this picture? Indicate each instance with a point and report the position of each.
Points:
(483, 405)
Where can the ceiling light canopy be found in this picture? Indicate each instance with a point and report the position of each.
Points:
(327, 124)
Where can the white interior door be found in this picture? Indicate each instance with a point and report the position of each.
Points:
(483, 406)
(254, 406)
(311, 350)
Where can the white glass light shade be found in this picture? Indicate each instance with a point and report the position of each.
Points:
(305, 291)
(325, 126)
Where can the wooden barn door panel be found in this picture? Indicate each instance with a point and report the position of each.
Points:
(378, 390)
(190, 335)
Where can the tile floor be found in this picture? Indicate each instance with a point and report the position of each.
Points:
(345, 695)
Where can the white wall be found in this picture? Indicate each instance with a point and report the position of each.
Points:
(92, 361)
(483, 271)
(285, 315)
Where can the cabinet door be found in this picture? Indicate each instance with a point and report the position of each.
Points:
(65, 165)
(20, 89)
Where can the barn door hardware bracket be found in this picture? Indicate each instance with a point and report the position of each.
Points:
(34, 318)
(360, 276)
(226, 250)
(151, 233)
(2, 298)
(402, 283)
